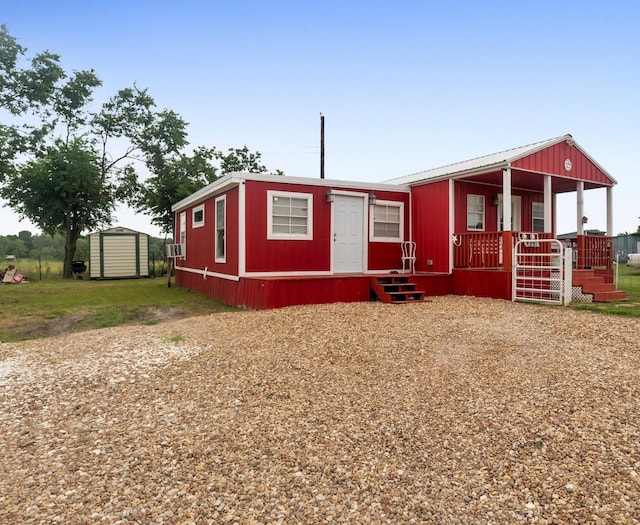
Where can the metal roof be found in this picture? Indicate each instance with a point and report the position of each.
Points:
(480, 164)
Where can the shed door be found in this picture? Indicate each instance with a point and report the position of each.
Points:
(348, 234)
(119, 256)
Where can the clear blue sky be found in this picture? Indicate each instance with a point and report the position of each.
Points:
(404, 85)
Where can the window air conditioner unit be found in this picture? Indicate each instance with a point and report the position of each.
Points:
(175, 250)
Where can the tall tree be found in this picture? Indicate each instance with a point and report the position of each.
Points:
(85, 161)
(176, 177)
(61, 192)
(172, 180)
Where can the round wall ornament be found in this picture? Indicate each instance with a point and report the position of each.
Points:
(567, 165)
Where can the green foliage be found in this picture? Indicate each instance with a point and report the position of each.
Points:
(242, 160)
(176, 177)
(173, 180)
(73, 176)
(61, 191)
(76, 164)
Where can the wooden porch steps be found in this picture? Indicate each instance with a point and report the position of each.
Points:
(596, 286)
(396, 289)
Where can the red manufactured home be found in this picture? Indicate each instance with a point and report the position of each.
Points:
(265, 241)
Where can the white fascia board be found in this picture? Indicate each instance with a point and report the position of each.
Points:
(478, 165)
(462, 174)
(233, 179)
(606, 173)
(333, 183)
(216, 186)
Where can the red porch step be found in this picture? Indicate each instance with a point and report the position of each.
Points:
(396, 289)
(596, 286)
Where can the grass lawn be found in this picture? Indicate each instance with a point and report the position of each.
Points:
(49, 307)
(629, 281)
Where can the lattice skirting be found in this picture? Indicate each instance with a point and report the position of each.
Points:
(579, 297)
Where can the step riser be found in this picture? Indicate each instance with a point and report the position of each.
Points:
(396, 290)
(596, 286)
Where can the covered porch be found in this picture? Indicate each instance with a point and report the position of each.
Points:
(510, 198)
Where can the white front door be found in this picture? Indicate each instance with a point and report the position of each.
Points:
(516, 213)
(348, 234)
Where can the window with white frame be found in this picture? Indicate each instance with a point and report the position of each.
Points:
(289, 215)
(475, 212)
(183, 233)
(197, 216)
(537, 216)
(386, 221)
(221, 223)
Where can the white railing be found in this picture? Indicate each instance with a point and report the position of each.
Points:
(541, 272)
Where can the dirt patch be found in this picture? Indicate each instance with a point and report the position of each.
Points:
(79, 321)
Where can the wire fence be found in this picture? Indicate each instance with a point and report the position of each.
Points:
(628, 279)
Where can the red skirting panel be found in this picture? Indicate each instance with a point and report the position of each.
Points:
(263, 294)
(482, 283)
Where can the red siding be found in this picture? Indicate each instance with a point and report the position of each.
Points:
(384, 256)
(430, 210)
(269, 255)
(200, 241)
(462, 189)
(551, 160)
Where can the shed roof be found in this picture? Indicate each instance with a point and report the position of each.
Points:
(118, 229)
(493, 162)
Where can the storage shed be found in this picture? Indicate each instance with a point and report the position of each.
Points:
(118, 253)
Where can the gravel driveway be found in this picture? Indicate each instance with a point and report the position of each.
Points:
(458, 410)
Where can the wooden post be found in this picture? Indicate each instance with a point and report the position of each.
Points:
(507, 251)
(321, 146)
(169, 264)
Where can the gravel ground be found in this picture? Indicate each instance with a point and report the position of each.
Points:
(458, 410)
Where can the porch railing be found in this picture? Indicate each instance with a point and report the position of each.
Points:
(594, 251)
(492, 250)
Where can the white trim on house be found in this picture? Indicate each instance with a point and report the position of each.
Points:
(183, 233)
(195, 210)
(452, 221)
(394, 204)
(490, 163)
(237, 178)
(337, 233)
(242, 230)
(205, 273)
(220, 258)
(319, 273)
(273, 195)
(471, 210)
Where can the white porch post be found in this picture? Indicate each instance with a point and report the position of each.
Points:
(452, 224)
(506, 205)
(580, 207)
(555, 216)
(548, 200)
(610, 211)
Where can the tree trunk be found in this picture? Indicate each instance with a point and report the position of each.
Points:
(71, 240)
